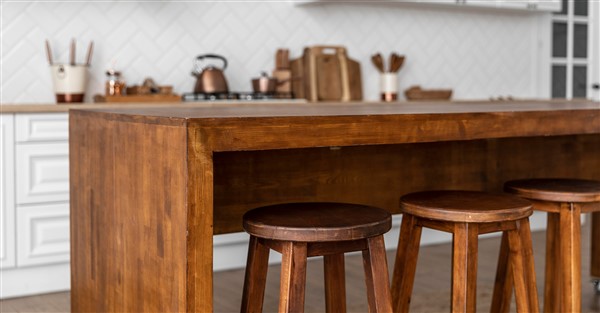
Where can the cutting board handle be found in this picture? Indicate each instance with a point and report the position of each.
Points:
(338, 50)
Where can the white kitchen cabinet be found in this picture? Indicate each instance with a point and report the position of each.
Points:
(42, 173)
(7, 192)
(43, 236)
(42, 127)
(35, 204)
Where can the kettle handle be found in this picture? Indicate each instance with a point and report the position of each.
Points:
(212, 56)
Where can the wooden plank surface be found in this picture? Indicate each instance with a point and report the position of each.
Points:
(128, 215)
(150, 186)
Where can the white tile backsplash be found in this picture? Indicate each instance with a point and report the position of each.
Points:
(479, 53)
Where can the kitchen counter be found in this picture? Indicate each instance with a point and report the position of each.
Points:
(53, 107)
(150, 186)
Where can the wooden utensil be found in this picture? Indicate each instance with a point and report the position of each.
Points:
(378, 62)
(72, 54)
(396, 62)
(49, 53)
(88, 58)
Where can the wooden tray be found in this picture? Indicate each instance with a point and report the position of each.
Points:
(416, 93)
(137, 98)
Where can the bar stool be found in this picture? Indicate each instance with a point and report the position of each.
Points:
(301, 230)
(465, 214)
(564, 200)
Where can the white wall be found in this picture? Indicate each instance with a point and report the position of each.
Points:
(479, 53)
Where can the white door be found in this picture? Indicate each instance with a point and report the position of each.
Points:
(575, 60)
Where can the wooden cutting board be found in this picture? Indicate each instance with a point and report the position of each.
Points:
(325, 73)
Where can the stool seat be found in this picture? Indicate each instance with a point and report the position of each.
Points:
(317, 222)
(465, 206)
(556, 189)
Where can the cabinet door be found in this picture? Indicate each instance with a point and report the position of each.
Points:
(42, 173)
(7, 192)
(42, 127)
(43, 234)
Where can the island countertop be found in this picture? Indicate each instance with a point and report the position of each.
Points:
(151, 186)
(251, 126)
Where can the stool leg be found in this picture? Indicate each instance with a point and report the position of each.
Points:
(503, 283)
(256, 277)
(406, 263)
(552, 285)
(377, 277)
(595, 267)
(335, 283)
(570, 259)
(464, 267)
(518, 270)
(293, 277)
(528, 264)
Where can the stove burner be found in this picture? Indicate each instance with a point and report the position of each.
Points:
(242, 96)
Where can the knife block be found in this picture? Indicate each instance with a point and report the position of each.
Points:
(326, 73)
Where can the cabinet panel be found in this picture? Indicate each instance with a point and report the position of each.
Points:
(7, 192)
(42, 173)
(42, 127)
(43, 234)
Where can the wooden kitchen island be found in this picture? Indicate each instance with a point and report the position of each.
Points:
(150, 186)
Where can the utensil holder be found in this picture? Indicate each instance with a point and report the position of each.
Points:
(69, 82)
(388, 83)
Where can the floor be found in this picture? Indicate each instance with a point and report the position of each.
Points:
(431, 291)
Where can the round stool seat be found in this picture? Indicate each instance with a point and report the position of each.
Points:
(317, 221)
(556, 189)
(465, 206)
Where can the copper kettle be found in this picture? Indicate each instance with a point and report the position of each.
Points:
(209, 78)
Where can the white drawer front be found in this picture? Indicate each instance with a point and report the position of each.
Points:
(43, 234)
(7, 192)
(42, 173)
(42, 127)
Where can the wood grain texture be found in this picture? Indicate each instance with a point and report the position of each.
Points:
(465, 206)
(556, 189)
(335, 283)
(379, 175)
(595, 243)
(405, 264)
(503, 284)
(293, 277)
(123, 210)
(224, 159)
(570, 257)
(552, 276)
(317, 222)
(376, 276)
(256, 276)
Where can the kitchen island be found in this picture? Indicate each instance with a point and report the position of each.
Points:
(151, 186)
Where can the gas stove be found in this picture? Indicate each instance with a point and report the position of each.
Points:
(235, 96)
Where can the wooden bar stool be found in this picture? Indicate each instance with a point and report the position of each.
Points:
(564, 200)
(301, 230)
(465, 214)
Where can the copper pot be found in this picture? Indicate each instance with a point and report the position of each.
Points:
(209, 78)
(264, 84)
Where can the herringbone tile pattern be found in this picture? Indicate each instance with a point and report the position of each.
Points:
(479, 53)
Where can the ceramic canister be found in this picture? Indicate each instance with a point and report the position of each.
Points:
(69, 82)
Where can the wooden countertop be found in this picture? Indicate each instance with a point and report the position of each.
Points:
(223, 106)
(256, 126)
